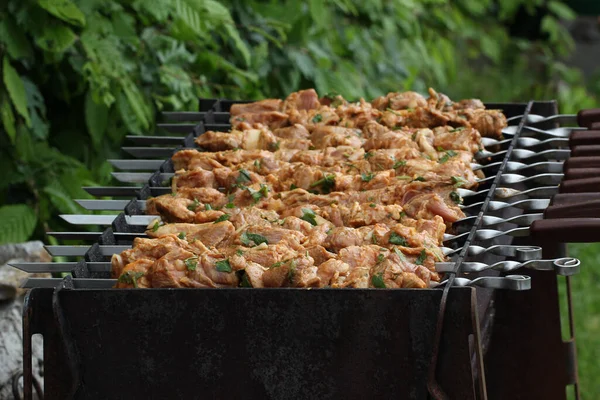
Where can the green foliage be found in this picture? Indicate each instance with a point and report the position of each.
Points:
(78, 75)
(18, 223)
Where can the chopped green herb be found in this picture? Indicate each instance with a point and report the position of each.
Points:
(393, 112)
(327, 183)
(446, 157)
(239, 252)
(181, 235)
(243, 177)
(174, 194)
(317, 118)
(311, 147)
(459, 181)
(240, 119)
(402, 214)
(421, 258)
(223, 266)
(410, 109)
(229, 205)
(131, 277)
(292, 272)
(372, 205)
(414, 136)
(292, 187)
(222, 218)
(248, 238)
(308, 215)
(208, 207)
(455, 197)
(400, 254)
(440, 148)
(380, 258)
(156, 226)
(191, 263)
(460, 128)
(419, 179)
(275, 146)
(258, 194)
(367, 177)
(400, 163)
(331, 95)
(377, 281)
(243, 277)
(368, 155)
(397, 239)
(194, 205)
(374, 239)
(277, 264)
(257, 164)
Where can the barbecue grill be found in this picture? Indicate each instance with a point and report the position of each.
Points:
(490, 330)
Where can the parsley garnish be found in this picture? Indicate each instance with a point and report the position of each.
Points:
(257, 164)
(131, 277)
(275, 146)
(440, 148)
(367, 177)
(458, 181)
(309, 215)
(156, 226)
(393, 112)
(258, 194)
(292, 187)
(292, 272)
(403, 177)
(327, 183)
(455, 197)
(400, 254)
(377, 281)
(421, 258)
(419, 179)
(208, 207)
(317, 118)
(372, 205)
(446, 157)
(380, 257)
(193, 206)
(181, 235)
(397, 164)
(191, 263)
(243, 177)
(222, 218)
(248, 238)
(243, 277)
(461, 128)
(239, 252)
(229, 205)
(223, 266)
(368, 155)
(397, 239)
(277, 264)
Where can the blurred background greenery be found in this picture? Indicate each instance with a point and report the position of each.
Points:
(78, 75)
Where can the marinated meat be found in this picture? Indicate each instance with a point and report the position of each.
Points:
(315, 193)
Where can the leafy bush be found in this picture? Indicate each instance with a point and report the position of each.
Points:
(77, 76)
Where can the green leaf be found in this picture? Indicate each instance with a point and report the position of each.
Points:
(61, 199)
(239, 44)
(377, 281)
(14, 39)
(55, 38)
(37, 110)
(65, 10)
(223, 266)
(8, 118)
(16, 89)
(18, 223)
(137, 103)
(561, 10)
(96, 119)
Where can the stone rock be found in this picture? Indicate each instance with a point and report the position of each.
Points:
(11, 307)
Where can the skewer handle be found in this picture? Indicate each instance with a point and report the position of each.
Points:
(584, 138)
(566, 230)
(572, 198)
(585, 209)
(581, 173)
(587, 150)
(585, 118)
(581, 162)
(585, 185)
